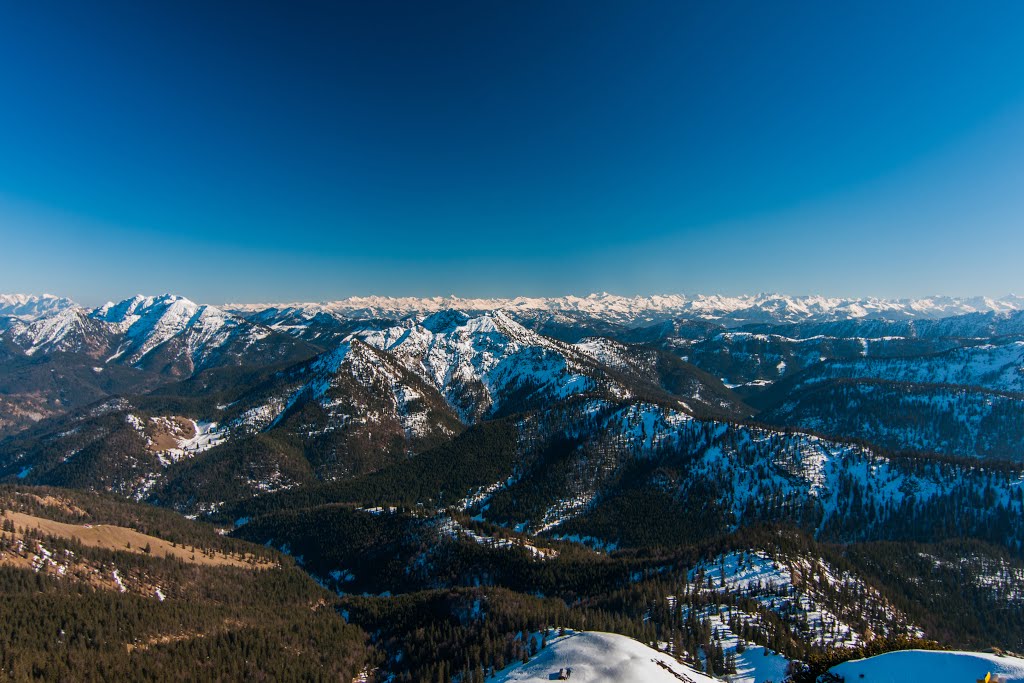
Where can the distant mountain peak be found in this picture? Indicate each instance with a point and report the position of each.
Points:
(445, 321)
(32, 306)
(731, 311)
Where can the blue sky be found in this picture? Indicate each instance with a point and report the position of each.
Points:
(318, 149)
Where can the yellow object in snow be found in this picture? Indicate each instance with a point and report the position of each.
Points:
(989, 678)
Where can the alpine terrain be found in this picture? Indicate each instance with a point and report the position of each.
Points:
(751, 489)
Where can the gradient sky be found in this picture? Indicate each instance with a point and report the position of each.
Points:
(310, 150)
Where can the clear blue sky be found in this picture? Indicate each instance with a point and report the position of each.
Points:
(318, 149)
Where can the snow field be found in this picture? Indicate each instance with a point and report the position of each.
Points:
(601, 658)
(932, 666)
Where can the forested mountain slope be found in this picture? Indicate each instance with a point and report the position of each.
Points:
(80, 601)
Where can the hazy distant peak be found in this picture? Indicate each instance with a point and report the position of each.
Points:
(32, 306)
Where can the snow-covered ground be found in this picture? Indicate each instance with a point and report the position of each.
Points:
(601, 658)
(934, 667)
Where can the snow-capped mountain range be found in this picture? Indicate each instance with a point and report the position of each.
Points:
(477, 367)
(167, 334)
(474, 361)
(730, 311)
(145, 323)
(640, 310)
(32, 306)
(175, 333)
(489, 446)
(493, 357)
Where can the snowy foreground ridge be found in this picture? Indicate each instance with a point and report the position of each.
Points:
(601, 658)
(609, 658)
(934, 667)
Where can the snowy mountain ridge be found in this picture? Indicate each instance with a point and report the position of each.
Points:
(148, 322)
(166, 333)
(32, 306)
(474, 365)
(731, 310)
(474, 361)
(771, 308)
(601, 658)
